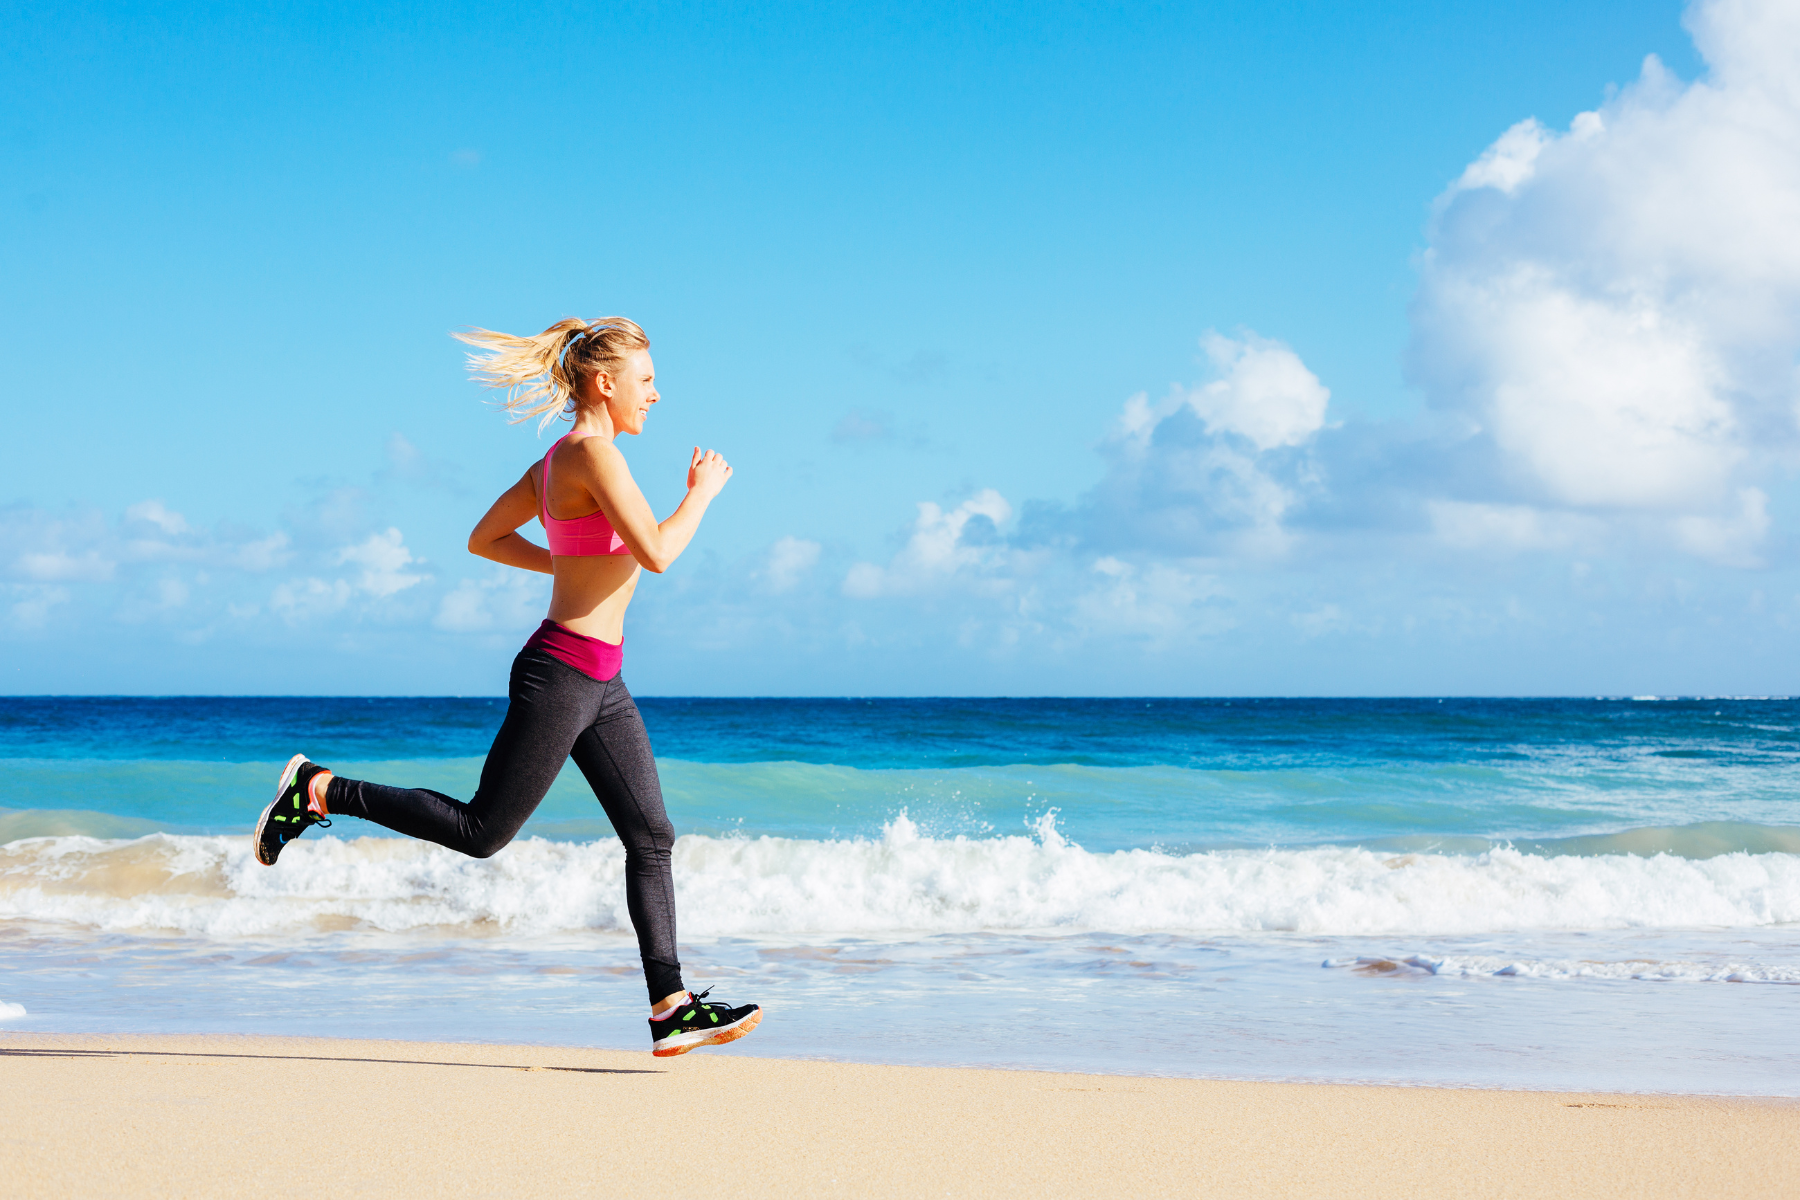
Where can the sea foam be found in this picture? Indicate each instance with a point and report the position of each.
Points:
(900, 882)
(1678, 970)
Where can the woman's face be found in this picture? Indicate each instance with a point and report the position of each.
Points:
(630, 393)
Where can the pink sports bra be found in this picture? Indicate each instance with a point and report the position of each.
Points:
(583, 537)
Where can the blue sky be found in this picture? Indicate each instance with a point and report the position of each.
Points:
(1200, 349)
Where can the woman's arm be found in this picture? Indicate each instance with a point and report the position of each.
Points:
(654, 545)
(494, 535)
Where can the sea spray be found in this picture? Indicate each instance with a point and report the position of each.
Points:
(900, 882)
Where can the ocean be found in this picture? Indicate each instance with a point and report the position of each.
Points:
(1521, 893)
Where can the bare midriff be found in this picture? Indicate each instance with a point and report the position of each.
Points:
(592, 592)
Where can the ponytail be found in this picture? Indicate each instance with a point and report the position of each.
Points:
(542, 374)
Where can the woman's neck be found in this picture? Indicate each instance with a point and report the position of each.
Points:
(594, 422)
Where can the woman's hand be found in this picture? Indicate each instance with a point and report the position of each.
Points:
(707, 473)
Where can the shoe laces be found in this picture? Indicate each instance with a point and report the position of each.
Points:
(696, 1001)
(288, 835)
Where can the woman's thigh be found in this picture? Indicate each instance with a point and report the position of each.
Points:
(549, 705)
(614, 754)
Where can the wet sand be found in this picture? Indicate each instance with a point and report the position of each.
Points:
(237, 1116)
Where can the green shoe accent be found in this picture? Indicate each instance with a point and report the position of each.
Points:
(277, 828)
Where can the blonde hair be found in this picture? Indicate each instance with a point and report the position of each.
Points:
(542, 374)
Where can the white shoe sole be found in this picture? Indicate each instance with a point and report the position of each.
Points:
(287, 779)
(681, 1043)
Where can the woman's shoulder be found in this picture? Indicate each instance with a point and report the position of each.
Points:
(597, 453)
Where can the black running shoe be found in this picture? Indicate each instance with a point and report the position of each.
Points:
(695, 1024)
(287, 816)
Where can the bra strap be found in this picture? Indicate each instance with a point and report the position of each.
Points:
(544, 489)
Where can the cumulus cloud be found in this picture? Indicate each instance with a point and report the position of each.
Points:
(154, 512)
(790, 558)
(1730, 541)
(160, 597)
(383, 558)
(153, 563)
(1320, 621)
(31, 605)
(1159, 601)
(505, 599)
(304, 599)
(82, 546)
(1511, 527)
(1216, 468)
(87, 566)
(1614, 309)
(1264, 393)
(940, 544)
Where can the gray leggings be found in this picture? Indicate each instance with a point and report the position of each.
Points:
(554, 712)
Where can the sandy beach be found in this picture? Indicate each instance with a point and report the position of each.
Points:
(236, 1116)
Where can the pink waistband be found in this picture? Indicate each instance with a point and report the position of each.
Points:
(594, 658)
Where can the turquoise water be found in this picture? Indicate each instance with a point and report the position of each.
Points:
(1478, 891)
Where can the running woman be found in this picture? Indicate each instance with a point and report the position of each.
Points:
(567, 697)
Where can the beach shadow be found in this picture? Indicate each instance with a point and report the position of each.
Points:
(34, 1052)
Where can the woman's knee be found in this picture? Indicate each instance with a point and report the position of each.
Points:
(487, 843)
(653, 839)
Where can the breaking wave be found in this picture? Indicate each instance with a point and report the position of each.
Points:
(899, 882)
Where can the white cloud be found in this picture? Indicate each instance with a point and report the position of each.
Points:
(41, 547)
(1217, 468)
(1137, 421)
(507, 599)
(790, 558)
(1263, 393)
(1326, 618)
(1509, 526)
(33, 604)
(1729, 541)
(864, 581)
(261, 554)
(1158, 601)
(152, 562)
(87, 566)
(1614, 401)
(153, 512)
(304, 599)
(162, 597)
(1616, 308)
(382, 557)
(941, 544)
(1509, 161)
